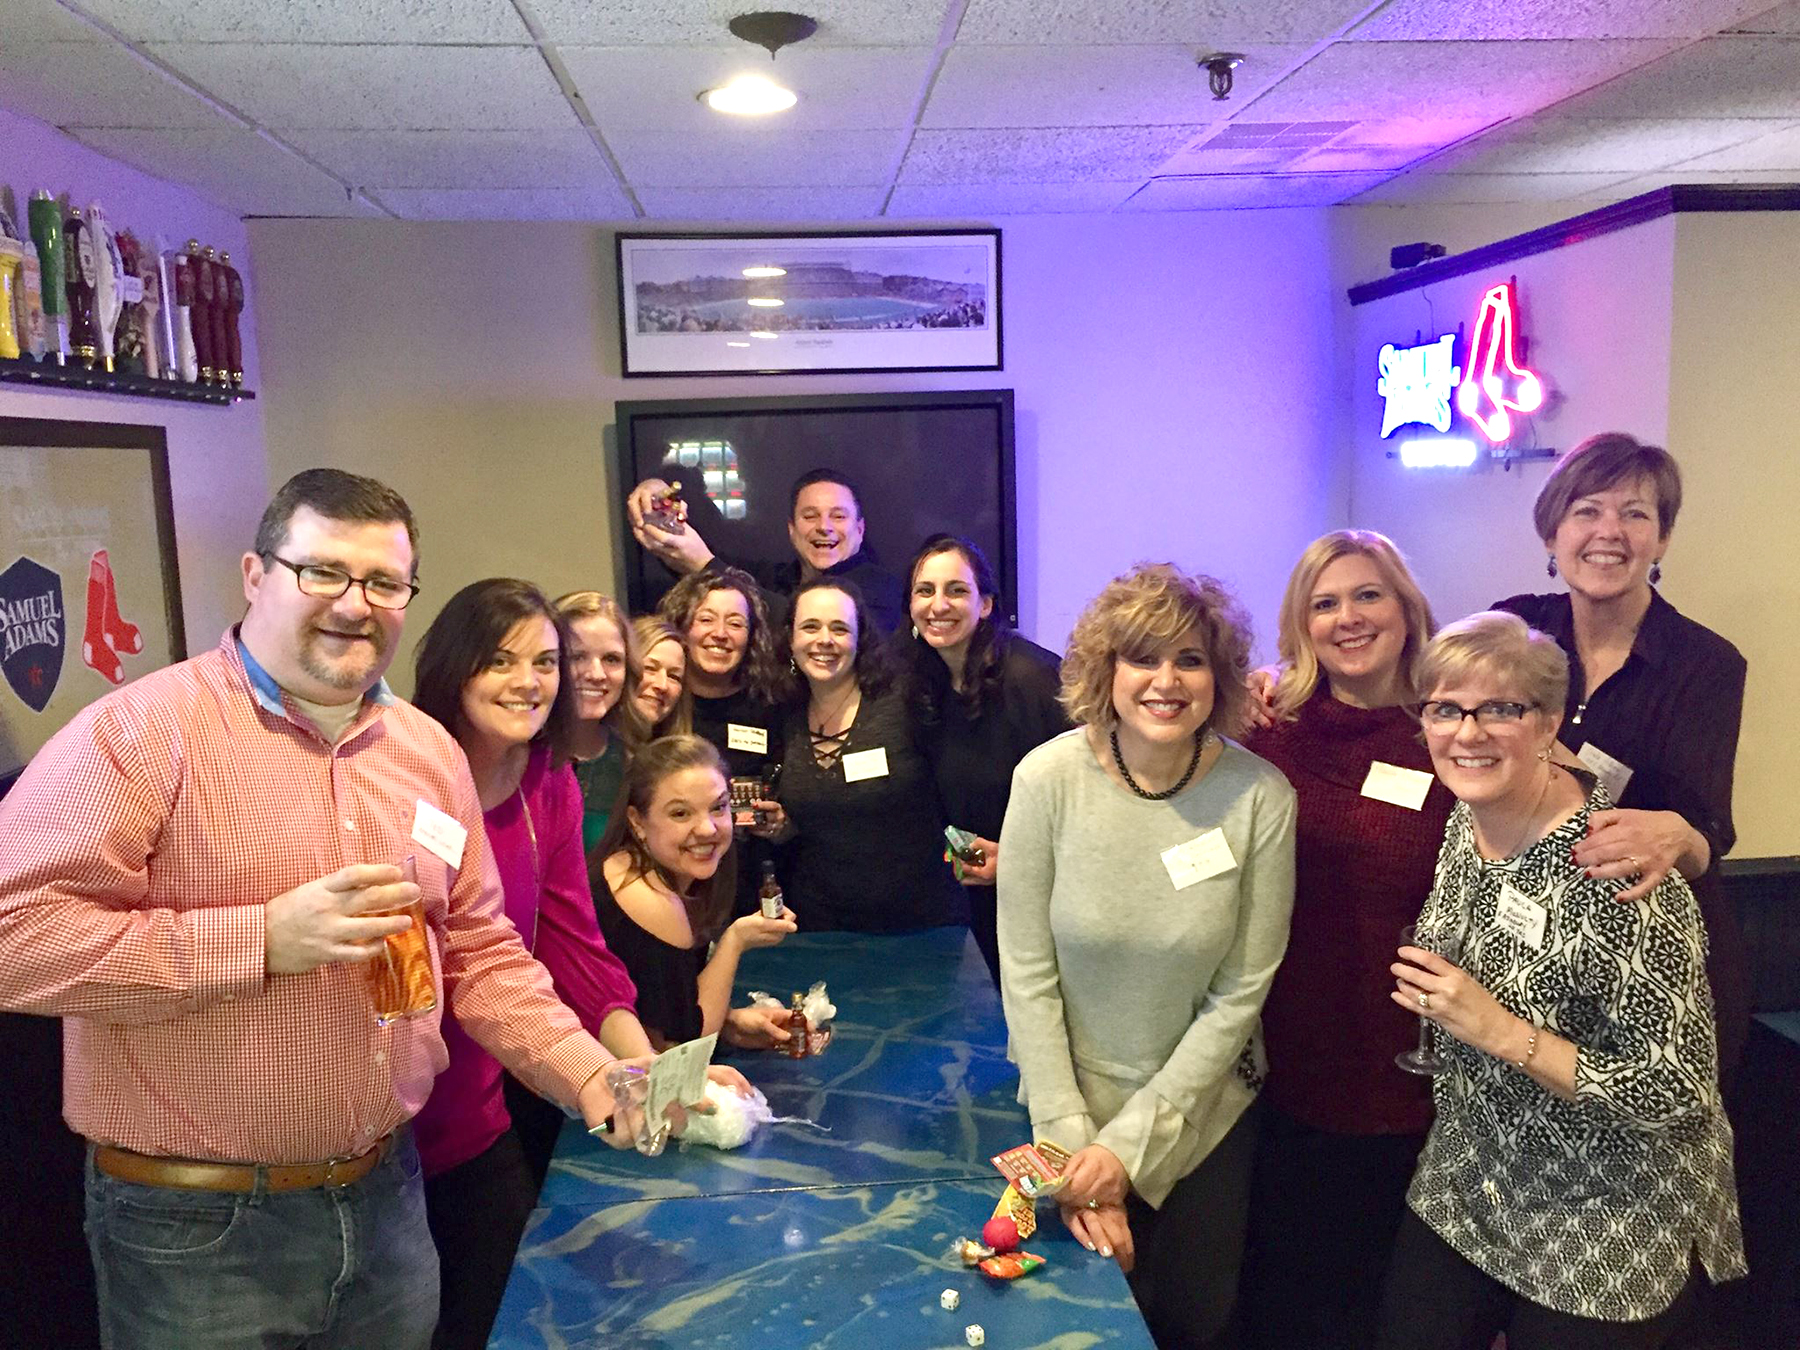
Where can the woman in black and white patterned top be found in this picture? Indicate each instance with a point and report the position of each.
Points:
(1580, 1160)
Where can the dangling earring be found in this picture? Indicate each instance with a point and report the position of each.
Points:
(1544, 754)
(1550, 566)
(915, 630)
(1656, 571)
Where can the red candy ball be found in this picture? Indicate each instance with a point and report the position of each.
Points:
(1002, 1234)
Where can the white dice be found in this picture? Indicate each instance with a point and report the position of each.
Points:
(974, 1335)
(949, 1299)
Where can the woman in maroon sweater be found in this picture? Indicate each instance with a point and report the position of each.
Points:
(1343, 1126)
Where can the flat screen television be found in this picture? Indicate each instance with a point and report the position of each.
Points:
(921, 463)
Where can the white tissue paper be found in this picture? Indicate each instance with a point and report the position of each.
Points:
(733, 1120)
(818, 1008)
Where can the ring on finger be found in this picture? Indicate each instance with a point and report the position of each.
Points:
(1425, 1001)
(1093, 1204)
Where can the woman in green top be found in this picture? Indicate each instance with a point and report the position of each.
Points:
(597, 663)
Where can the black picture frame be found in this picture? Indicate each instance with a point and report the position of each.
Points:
(49, 435)
(799, 350)
(645, 578)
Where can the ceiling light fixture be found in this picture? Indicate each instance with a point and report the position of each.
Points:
(755, 273)
(1219, 67)
(757, 95)
(750, 96)
(764, 302)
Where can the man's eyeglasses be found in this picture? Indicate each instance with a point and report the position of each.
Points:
(328, 583)
(1443, 714)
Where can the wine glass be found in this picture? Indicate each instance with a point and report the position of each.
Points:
(1425, 1061)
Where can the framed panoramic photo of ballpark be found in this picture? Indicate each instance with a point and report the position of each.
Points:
(809, 304)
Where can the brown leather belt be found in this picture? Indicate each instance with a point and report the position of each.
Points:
(187, 1174)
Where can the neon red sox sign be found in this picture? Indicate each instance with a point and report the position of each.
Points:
(1417, 383)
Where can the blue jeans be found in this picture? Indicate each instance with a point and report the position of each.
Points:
(336, 1268)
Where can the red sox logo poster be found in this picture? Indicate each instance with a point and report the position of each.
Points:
(34, 629)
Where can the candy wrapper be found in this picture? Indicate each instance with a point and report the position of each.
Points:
(969, 1251)
(1017, 1208)
(1010, 1265)
(819, 1010)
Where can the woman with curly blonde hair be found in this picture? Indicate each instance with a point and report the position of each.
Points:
(1149, 872)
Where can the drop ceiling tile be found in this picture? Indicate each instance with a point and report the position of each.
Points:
(855, 23)
(659, 88)
(1600, 145)
(965, 200)
(93, 84)
(489, 21)
(1448, 82)
(552, 157)
(295, 86)
(1358, 158)
(593, 204)
(237, 168)
(1417, 133)
(1779, 150)
(1453, 189)
(1434, 21)
(1781, 19)
(1090, 86)
(770, 205)
(46, 21)
(1210, 23)
(1721, 77)
(1043, 155)
(757, 156)
(1249, 192)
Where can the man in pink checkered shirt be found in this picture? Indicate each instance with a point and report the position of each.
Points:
(195, 871)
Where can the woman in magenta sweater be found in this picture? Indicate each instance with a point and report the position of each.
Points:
(1342, 1126)
(492, 669)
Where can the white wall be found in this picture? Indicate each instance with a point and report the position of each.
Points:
(1734, 563)
(1166, 369)
(217, 468)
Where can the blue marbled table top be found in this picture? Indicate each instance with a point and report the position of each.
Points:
(807, 1237)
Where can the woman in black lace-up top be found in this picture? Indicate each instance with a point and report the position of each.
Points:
(867, 847)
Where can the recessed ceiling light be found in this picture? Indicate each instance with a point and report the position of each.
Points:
(750, 96)
(765, 271)
(737, 344)
(760, 334)
(764, 302)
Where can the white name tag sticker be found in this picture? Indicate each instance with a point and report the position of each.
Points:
(1199, 858)
(442, 834)
(866, 764)
(1397, 786)
(1613, 774)
(1523, 918)
(740, 737)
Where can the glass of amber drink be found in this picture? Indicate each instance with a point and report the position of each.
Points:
(401, 983)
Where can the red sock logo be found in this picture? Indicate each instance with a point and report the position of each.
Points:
(124, 638)
(106, 633)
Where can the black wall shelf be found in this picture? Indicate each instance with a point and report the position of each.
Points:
(49, 376)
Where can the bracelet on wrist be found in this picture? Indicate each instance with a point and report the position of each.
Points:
(1524, 1062)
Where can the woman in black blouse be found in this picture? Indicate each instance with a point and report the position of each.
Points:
(663, 893)
(867, 852)
(983, 697)
(1654, 699)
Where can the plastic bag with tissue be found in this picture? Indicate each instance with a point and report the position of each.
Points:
(733, 1121)
(817, 1006)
